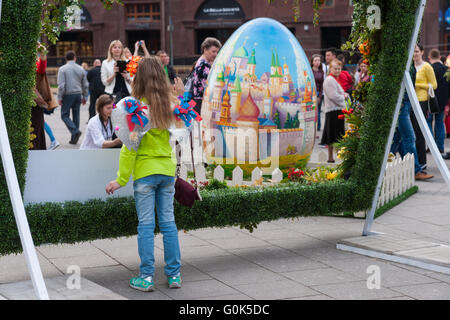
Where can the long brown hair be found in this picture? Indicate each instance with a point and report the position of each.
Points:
(151, 83)
(102, 101)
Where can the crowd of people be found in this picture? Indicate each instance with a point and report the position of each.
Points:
(335, 86)
(156, 84)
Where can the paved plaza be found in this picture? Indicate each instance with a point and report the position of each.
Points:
(282, 259)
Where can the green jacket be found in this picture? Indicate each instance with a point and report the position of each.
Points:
(154, 156)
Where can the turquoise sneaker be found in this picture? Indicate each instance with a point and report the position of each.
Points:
(141, 284)
(174, 282)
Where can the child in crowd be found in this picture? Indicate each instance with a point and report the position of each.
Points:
(153, 167)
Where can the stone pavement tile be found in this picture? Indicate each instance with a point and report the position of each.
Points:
(245, 276)
(191, 241)
(286, 264)
(392, 219)
(109, 245)
(332, 234)
(188, 273)
(442, 237)
(411, 268)
(442, 220)
(261, 253)
(199, 289)
(298, 245)
(326, 254)
(397, 298)
(90, 261)
(238, 296)
(282, 289)
(192, 253)
(228, 262)
(421, 228)
(238, 242)
(14, 268)
(430, 291)
(320, 276)
(104, 275)
(438, 254)
(277, 234)
(122, 287)
(52, 251)
(440, 276)
(315, 297)
(58, 290)
(354, 291)
(391, 276)
(215, 233)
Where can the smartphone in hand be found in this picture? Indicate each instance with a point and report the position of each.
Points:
(122, 65)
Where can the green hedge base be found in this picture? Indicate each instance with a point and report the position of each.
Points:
(384, 208)
(71, 222)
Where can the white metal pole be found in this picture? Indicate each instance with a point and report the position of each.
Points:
(19, 209)
(412, 44)
(19, 212)
(425, 129)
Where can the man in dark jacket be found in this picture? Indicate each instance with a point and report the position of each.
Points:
(441, 93)
(165, 60)
(96, 86)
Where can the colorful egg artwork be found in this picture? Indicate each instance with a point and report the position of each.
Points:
(259, 105)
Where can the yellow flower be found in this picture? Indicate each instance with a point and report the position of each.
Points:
(331, 175)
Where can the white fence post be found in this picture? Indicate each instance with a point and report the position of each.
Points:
(219, 173)
(238, 176)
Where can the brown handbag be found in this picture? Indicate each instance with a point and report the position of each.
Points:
(185, 193)
(43, 87)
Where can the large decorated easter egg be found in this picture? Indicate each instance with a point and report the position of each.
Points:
(260, 103)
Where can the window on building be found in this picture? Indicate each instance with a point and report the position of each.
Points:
(143, 12)
(328, 4)
(80, 42)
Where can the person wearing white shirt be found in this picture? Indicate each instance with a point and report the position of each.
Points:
(100, 131)
(116, 83)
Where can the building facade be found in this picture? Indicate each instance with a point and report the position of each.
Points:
(194, 20)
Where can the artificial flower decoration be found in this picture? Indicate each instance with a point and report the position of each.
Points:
(131, 121)
(133, 65)
(185, 112)
(135, 114)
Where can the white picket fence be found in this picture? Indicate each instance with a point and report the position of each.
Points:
(399, 177)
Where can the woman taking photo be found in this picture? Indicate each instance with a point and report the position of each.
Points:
(425, 79)
(153, 170)
(117, 81)
(334, 97)
(100, 132)
(316, 65)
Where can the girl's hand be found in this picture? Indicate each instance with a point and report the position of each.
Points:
(112, 186)
(178, 86)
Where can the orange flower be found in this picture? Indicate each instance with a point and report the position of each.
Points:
(132, 65)
(364, 48)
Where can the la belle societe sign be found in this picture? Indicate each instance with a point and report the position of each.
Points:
(220, 9)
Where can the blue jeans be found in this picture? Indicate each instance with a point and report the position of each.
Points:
(71, 102)
(157, 190)
(404, 138)
(49, 132)
(439, 129)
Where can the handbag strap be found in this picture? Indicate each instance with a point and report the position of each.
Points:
(178, 153)
(192, 157)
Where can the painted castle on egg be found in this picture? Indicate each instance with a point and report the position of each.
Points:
(270, 104)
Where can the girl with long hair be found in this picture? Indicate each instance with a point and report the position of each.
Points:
(153, 167)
